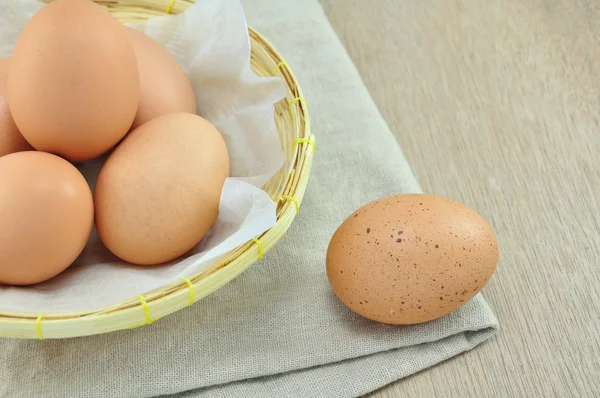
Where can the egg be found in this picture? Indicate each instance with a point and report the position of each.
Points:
(73, 85)
(409, 259)
(164, 86)
(46, 216)
(11, 139)
(158, 193)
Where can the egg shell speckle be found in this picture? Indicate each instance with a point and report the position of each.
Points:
(411, 258)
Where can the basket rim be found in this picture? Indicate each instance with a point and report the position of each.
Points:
(173, 297)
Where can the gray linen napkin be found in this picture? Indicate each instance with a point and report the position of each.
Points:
(277, 330)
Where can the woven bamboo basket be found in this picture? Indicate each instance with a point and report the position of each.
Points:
(287, 188)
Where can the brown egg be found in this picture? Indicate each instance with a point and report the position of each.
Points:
(164, 86)
(11, 139)
(411, 258)
(73, 85)
(158, 193)
(46, 216)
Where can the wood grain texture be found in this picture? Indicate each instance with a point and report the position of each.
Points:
(496, 104)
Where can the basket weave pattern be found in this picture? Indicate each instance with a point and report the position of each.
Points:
(286, 187)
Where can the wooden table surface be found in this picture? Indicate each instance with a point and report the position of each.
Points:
(496, 104)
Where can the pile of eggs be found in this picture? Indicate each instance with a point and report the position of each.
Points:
(79, 86)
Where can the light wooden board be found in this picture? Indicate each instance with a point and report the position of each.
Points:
(496, 104)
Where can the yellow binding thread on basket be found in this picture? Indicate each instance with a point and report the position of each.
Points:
(292, 102)
(146, 309)
(278, 67)
(170, 6)
(292, 199)
(38, 326)
(305, 141)
(191, 286)
(261, 252)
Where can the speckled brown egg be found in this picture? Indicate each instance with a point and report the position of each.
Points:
(409, 259)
